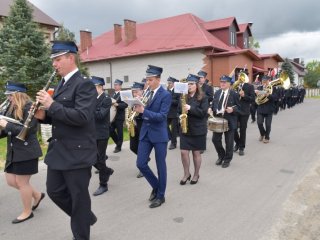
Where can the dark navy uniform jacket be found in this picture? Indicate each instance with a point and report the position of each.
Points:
(73, 141)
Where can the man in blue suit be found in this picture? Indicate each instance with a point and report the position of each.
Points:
(154, 135)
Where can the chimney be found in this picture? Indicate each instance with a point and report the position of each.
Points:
(117, 33)
(129, 31)
(85, 40)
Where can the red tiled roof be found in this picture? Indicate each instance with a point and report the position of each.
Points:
(249, 52)
(243, 27)
(258, 69)
(273, 55)
(220, 23)
(38, 15)
(169, 34)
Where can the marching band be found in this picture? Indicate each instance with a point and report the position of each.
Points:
(79, 112)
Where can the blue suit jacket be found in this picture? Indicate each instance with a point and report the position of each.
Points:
(154, 123)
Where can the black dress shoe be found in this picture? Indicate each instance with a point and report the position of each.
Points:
(94, 219)
(172, 146)
(184, 182)
(225, 164)
(195, 181)
(219, 161)
(153, 195)
(37, 205)
(22, 220)
(236, 148)
(100, 190)
(157, 202)
(241, 152)
(116, 150)
(110, 172)
(140, 175)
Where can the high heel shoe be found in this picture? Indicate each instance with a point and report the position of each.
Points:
(184, 182)
(195, 182)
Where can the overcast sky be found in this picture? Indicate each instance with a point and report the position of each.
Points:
(288, 27)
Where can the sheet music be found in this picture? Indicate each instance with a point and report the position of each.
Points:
(128, 98)
(181, 87)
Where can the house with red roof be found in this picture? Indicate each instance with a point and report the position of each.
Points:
(47, 25)
(299, 71)
(180, 44)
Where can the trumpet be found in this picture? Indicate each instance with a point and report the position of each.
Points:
(132, 114)
(26, 125)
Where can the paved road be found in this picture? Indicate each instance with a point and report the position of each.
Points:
(241, 202)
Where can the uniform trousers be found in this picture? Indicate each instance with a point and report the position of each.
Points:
(240, 137)
(224, 153)
(116, 132)
(68, 189)
(157, 183)
(104, 171)
(134, 141)
(267, 119)
(173, 132)
(253, 111)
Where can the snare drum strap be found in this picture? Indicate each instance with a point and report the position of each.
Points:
(226, 102)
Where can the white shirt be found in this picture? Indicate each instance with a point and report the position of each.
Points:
(154, 92)
(69, 75)
(223, 102)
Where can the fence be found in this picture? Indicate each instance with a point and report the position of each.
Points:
(312, 92)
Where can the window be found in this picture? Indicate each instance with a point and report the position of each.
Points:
(126, 78)
(108, 79)
(232, 38)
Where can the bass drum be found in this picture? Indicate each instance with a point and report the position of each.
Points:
(113, 110)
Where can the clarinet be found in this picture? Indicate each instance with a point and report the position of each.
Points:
(26, 125)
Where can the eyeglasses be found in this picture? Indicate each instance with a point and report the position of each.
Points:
(191, 83)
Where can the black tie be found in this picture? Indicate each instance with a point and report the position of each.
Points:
(221, 101)
(61, 84)
(150, 97)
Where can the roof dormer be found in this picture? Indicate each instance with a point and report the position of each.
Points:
(225, 29)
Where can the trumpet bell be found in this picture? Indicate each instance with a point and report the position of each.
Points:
(286, 80)
(244, 77)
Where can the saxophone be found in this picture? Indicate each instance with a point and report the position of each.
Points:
(183, 118)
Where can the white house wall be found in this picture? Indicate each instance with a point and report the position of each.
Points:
(175, 64)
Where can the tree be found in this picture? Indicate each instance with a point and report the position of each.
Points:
(253, 44)
(313, 75)
(24, 55)
(286, 66)
(65, 34)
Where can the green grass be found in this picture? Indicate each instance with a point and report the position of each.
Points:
(3, 147)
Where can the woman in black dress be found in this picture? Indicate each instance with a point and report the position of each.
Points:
(22, 156)
(195, 138)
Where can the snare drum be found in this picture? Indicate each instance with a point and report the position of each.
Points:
(218, 125)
